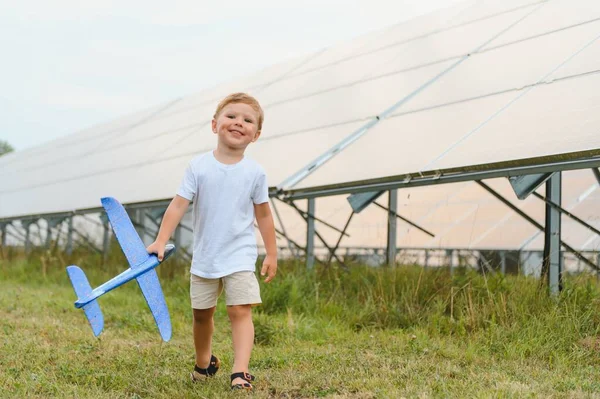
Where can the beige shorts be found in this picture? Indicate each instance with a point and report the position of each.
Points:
(241, 288)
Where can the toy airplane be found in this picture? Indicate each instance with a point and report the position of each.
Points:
(141, 268)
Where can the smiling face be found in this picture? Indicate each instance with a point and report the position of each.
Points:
(237, 126)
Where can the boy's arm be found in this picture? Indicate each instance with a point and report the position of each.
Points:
(267, 231)
(171, 219)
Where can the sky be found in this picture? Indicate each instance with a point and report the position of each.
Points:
(70, 64)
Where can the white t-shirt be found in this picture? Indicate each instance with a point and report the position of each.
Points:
(224, 198)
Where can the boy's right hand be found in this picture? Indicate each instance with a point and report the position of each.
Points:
(157, 248)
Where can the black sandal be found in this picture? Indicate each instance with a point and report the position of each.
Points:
(244, 376)
(211, 370)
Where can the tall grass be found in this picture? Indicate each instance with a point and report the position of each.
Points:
(404, 297)
(464, 318)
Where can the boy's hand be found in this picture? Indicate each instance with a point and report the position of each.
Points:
(269, 268)
(157, 248)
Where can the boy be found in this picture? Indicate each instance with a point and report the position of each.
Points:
(229, 191)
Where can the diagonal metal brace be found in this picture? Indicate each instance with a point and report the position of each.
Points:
(577, 254)
(306, 215)
(567, 213)
(330, 249)
(405, 219)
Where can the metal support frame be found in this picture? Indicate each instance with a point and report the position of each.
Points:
(310, 234)
(137, 217)
(87, 241)
(153, 216)
(3, 231)
(577, 254)
(105, 236)
(503, 262)
(588, 159)
(566, 213)
(596, 174)
(280, 233)
(527, 184)
(284, 233)
(390, 255)
(552, 233)
(416, 226)
(180, 249)
(50, 224)
(39, 232)
(337, 244)
(69, 248)
(16, 233)
(48, 235)
(305, 216)
(358, 202)
(177, 237)
(27, 225)
(312, 215)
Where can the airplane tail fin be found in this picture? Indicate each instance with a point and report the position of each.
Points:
(82, 290)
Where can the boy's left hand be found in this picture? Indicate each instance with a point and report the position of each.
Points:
(269, 268)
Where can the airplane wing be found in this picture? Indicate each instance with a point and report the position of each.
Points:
(152, 291)
(129, 239)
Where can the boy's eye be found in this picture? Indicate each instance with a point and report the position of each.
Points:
(231, 116)
(249, 120)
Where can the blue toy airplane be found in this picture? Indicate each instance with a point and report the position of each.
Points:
(141, 268)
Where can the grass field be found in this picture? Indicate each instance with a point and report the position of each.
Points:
(367, 333)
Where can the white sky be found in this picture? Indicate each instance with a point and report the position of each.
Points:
(69, 64)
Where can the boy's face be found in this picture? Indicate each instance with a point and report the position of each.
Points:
(236, 125)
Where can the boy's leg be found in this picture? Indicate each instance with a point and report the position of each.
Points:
(242, 291)
(242, 330)
(203, 329)
(204, 294)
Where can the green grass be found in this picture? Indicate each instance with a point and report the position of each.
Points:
(391, 332)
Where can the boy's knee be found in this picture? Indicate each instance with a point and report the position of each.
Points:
(239, 311)
(203, 315)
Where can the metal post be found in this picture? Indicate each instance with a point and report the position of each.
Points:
(177, 236)
(27, 226)
(48, 234)
(310, 234)
(69, 248)
(426, 258)
(3, 229)
(552, 235)
(105, 238)
(392, 232)
(450, 260)
(503, 262)
(139, 217)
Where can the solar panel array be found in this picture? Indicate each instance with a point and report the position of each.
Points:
(479, 83)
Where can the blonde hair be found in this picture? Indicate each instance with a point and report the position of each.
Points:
(244, 99)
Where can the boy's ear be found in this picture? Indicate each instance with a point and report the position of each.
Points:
(214, 126)
(256, 136)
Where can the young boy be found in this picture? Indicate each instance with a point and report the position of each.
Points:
(229, 191)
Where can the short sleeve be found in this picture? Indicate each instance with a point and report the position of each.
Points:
(188, 188)
(260, 192)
